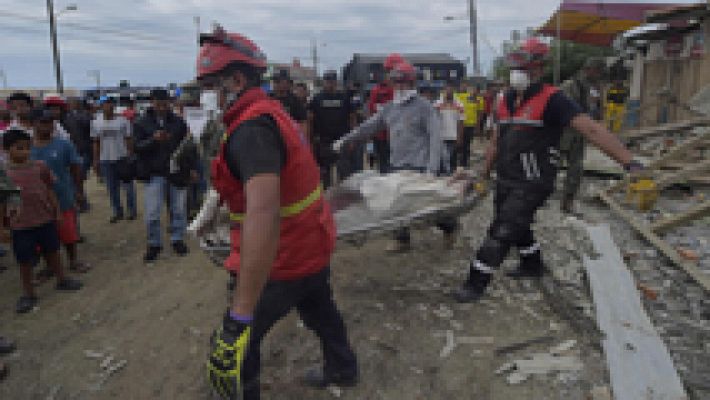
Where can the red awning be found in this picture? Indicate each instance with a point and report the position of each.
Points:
(597, 23)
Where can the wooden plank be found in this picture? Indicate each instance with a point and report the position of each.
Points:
(681, 150)
(682, 175)
(678, 151)
(691, 269)
(666, 224)
(665, 128)
(640, 365)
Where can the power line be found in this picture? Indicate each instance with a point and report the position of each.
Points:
(109, 41)
(125, 33)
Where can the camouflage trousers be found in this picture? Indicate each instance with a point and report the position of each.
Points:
(572, 149)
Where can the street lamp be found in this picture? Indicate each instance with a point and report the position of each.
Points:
(53, 37)
(473, 25)
(70, 7)
(96, 74)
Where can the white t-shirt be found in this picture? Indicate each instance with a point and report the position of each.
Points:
(112, 134)
(451, 114)
(60, 132)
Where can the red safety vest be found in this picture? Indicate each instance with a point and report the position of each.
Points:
(380, 95)
(307, 229)
(527, 152)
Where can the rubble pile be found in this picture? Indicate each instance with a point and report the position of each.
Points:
(700, 103)
(678, 306)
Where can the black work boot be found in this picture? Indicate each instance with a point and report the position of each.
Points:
(531, 266)
(315, 378)
(567, 204)
(475, 286)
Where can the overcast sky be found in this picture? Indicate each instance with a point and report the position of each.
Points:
(153, 41)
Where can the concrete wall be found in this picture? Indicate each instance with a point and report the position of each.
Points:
(682, 77)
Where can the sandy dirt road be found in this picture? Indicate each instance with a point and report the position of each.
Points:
(159, 318)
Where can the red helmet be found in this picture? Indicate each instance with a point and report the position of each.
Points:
(54, 100)
(220, 49)
(403, 71)
(393, 60)
(531, 53)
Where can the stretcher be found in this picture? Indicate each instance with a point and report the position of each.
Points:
(365, 206)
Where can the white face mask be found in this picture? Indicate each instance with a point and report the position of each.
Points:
(400, 96)
(209, 99)
(519, 80)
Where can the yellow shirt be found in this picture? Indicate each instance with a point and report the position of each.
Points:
(472, 106)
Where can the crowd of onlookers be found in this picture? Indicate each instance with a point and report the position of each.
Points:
(50, 147)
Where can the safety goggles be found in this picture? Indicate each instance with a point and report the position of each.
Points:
(220, 37)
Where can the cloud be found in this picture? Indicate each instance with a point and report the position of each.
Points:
(154, 41)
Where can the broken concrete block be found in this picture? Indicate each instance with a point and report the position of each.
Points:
(507, 367)
(647, 292)
(93, 355)
(106, 362)
(516, 378)
(600, 393)
(543, 363)
(563, 347)
(335, 391)
(449, 346)
(688, 254)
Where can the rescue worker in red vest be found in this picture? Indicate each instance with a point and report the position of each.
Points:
(283, 232)
(525, 152)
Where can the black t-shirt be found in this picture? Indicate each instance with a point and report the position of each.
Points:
(331, 115)
(255, 147)
(559, 112)
(294, 107)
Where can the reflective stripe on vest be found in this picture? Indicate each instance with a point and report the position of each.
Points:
(522, 122)
(291, 209)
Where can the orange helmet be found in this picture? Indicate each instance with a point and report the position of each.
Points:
(403, 71)
(220, 49)
(392, 60)
(531, 53)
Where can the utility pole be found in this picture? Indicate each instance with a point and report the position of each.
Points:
(558, 50)
(55, 46)
(4, 78)
(314, 56)
(473, 17)
(96, 74)
(196, 19)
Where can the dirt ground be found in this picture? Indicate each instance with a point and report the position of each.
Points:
(159, 318)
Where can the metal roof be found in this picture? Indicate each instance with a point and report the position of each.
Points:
(414, 58)
(687, 12)
(597, 22)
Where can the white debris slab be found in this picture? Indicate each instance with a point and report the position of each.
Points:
(639, 362)
(449, 346)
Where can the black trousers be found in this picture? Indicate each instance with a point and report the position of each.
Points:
(464, 156)
(382, 153)
(515, 209)
(312, 297)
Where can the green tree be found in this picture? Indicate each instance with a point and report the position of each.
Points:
(573, 56)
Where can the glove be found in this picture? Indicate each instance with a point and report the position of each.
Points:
(229, 346)
(481, 186)
(642, 189)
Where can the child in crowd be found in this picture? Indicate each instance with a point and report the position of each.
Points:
(64, 161)
(34, 224)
